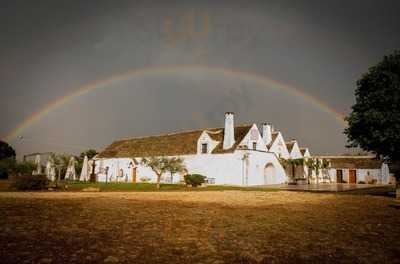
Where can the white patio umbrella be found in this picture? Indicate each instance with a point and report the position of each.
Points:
(50, 170)
(85, 170)
(385, 173)
(38, 166)
(70, 174)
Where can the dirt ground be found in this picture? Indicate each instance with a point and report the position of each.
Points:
(198, 227)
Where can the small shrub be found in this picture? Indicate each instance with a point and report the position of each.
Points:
(145, 179)
(373, 181)
(361, 182)
(30, 182)
(194, 179)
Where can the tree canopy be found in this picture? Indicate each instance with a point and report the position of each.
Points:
(374, 123)
(90, 153)
(161, 165)
(6, 151)
(7, 157)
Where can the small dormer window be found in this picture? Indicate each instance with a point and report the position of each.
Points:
(254, 145)
(204, 148)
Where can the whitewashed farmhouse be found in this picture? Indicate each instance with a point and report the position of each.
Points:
(234, 155)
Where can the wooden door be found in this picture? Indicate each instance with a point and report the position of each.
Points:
(352, 176)
(339, 176)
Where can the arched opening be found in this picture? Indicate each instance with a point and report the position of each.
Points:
(269, 174)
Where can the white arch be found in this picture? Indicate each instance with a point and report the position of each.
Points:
(270, 174)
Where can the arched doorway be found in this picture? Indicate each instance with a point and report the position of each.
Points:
(269, 174)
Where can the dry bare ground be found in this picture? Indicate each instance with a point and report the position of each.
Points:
(198, 227)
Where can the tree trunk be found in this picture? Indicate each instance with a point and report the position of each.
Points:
(293, 171)
(58, 177)
(397, 180)
(158, 180)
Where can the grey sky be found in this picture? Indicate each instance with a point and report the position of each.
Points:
(51, 48)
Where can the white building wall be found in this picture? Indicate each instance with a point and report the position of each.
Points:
(279, 147)
(253, 136)
(296, 153)
(364, 175)
(118, 169)
(206, 139)
(242, 167)
(307, 154)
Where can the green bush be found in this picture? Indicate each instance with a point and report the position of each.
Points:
(3, 174)
(194, 179)
(30, 182)
(6, 166)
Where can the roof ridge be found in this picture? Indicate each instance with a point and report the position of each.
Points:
(213, 132)
(180, 132)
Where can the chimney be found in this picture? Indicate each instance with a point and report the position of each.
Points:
(229, 131)
(267, 133)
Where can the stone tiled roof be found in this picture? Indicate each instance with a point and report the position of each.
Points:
(289, 145)
(303, 151)
(274, 136)
(181, 143)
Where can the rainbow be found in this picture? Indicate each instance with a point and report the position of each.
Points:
(87, 88)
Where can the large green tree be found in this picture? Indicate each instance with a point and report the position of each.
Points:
(374, 123)
(6, 151)
(7, 157)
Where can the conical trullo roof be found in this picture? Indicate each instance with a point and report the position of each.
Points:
(85, 170)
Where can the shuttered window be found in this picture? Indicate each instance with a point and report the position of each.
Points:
(204, 148)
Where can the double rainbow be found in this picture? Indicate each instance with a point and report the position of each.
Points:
(85, 89)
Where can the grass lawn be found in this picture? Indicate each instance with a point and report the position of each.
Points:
(198, 227)
(78, 186)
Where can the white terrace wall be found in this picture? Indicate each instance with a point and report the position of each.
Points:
(116, 168)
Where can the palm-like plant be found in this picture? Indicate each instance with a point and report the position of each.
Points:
(292, 163)
(325, 164)
(60, 162)
(313, 165)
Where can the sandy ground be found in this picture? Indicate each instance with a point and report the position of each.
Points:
(198, 227)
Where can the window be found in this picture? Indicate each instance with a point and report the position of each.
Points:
(254, 134)
(204, 148)
(254, 145)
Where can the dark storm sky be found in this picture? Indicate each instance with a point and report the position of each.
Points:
(51, 48)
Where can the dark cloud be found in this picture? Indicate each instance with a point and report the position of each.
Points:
(51, 48)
